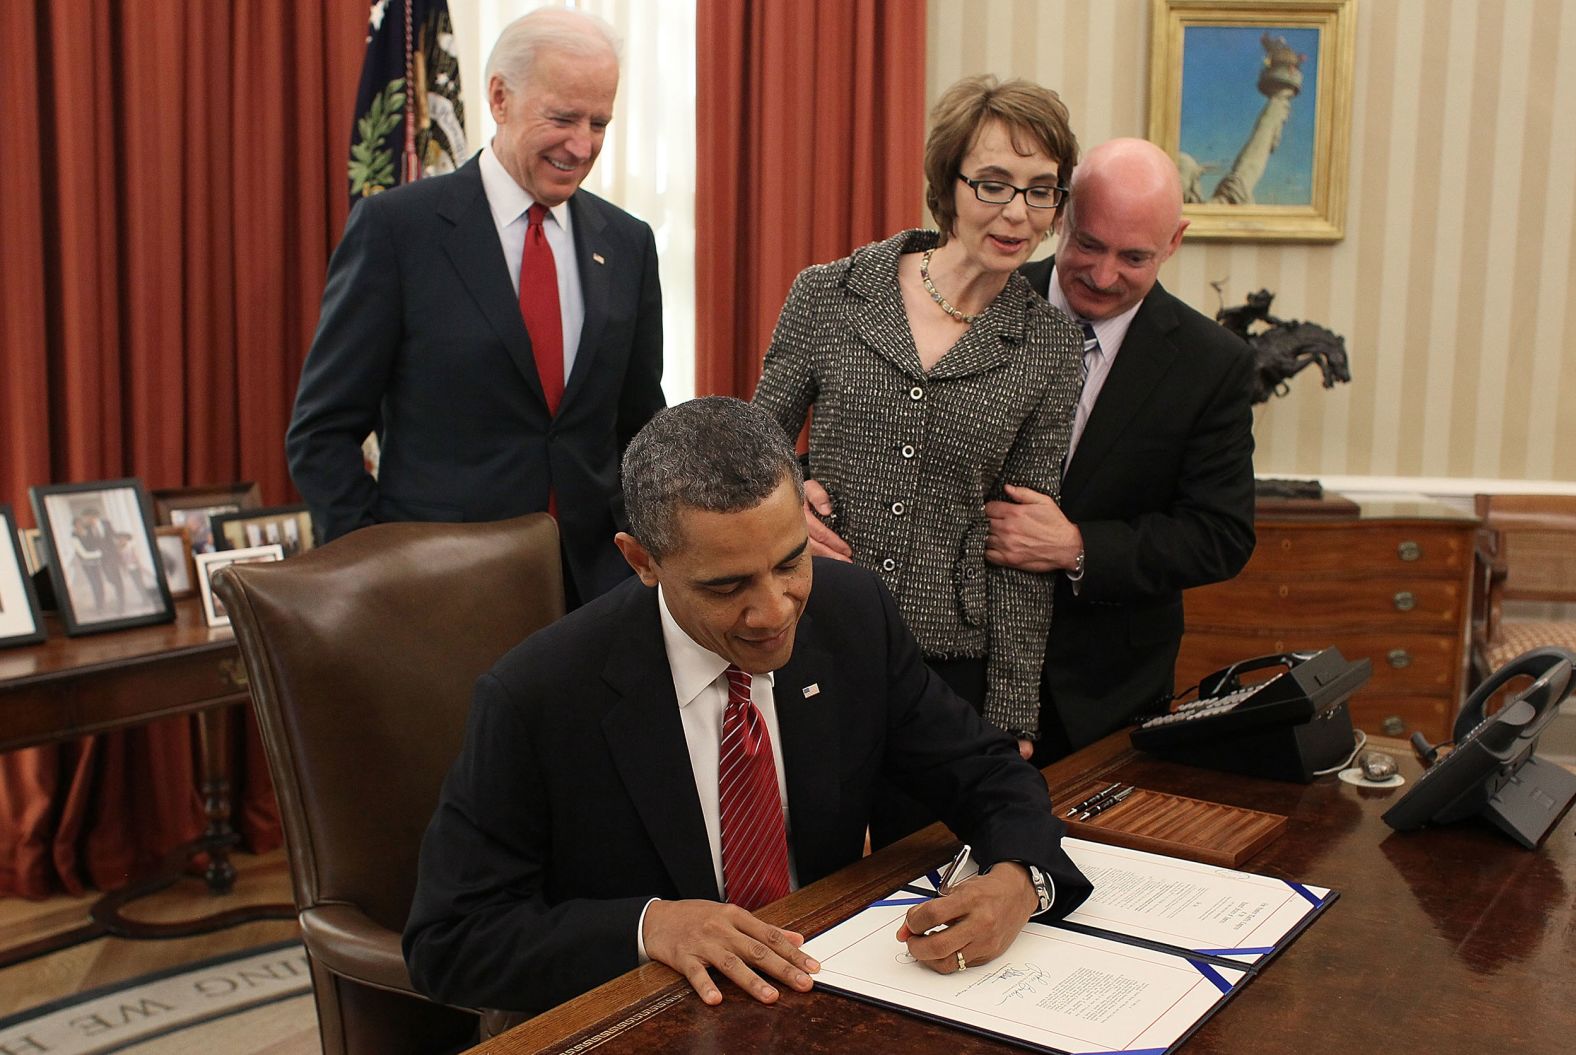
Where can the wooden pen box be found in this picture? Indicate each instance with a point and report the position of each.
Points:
(1177, 826)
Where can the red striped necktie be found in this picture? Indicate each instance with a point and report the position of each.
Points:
(754, 839)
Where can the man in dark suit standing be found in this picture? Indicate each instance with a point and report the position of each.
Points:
(498, 327)
(712, 732)
(1157, 494)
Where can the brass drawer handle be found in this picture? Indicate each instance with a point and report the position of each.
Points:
(232, 671)
(1405, 601)
(1409, 550)
(1399, 658)
(1393, 725)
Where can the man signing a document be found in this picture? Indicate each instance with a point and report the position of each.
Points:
(642, 775)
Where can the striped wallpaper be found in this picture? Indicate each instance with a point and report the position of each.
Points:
(1455, 286)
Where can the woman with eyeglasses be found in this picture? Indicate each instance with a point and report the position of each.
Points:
(936, 377)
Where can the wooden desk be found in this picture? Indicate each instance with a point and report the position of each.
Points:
(67, 687)
(1451, 940)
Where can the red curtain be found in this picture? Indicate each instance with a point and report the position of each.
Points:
(174, 186)
(810, 124)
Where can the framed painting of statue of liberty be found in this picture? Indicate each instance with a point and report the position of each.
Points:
(1254, 101)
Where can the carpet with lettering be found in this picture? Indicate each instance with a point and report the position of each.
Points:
(152, 1012)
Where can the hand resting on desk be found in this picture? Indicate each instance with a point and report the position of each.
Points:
(691, 936)
(982, 915)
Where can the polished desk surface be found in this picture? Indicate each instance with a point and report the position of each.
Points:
(1446, 940)
(65, 687)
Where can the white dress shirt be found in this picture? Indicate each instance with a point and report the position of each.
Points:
(1111, 333)
(509, 203)
(702, 692)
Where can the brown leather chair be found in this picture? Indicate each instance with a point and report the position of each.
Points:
(361, 656)
(1526, 553)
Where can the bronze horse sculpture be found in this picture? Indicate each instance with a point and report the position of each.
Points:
(1285, 347)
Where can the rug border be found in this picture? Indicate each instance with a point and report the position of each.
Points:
(145, 979)
(204, 1020)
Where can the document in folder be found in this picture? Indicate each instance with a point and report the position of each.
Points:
(1188, 907)
(1157, 948)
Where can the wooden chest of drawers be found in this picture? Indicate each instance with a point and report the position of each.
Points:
(1389, 581)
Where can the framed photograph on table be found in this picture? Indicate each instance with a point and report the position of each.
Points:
(20, 621)
(1254, 101)
(103, 563)
(194, 507)
(175, 552)
(290, 527)
(213, 611)
(32, 541)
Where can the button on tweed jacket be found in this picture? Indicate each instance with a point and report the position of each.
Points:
(910, 458)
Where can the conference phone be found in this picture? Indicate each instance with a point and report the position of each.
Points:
(1286, 727)
(1494, 770)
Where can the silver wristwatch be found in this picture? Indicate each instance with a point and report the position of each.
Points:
(1044, 889)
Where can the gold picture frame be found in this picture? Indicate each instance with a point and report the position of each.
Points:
(193, 507)
(175, 551)
(1254, 100)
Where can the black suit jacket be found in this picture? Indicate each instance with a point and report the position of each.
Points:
(573, 802)
(1161, 488)
(421, 339)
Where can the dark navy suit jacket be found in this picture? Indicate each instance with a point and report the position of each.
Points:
(421, 338)
(1161, 487)
(573, 801)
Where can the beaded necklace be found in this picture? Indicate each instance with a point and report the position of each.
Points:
(935, 294)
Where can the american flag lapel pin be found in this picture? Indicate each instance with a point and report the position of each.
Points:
(598, 258)
(812, 689)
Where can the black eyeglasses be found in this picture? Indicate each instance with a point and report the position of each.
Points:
(995, 192)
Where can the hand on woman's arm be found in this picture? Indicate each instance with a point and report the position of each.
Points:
(1029, 532)
(824, 542)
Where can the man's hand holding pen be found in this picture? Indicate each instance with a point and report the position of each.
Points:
(972, 921)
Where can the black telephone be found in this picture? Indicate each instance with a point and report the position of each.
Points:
(1284, 728)
(1494, 770)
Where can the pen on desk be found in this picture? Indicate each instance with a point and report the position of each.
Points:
(1102, 806)
(1092, 799)
(949, 878)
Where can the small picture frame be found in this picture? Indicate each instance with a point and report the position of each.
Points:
(213, 611)
(290, 527)
(32, 541)
(20, 620)
(193, 507)
(103, 563)
(175, 552)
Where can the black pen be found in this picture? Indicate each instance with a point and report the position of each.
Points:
(1101, 807)
(1092, 799)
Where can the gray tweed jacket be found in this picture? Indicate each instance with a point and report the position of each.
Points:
(910, 458)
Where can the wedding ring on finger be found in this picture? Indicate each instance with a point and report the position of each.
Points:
(962, 963)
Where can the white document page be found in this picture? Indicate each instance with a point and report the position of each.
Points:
(1055, 989)
(1198, 907)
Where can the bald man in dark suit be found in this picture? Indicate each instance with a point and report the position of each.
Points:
(1157, 494)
